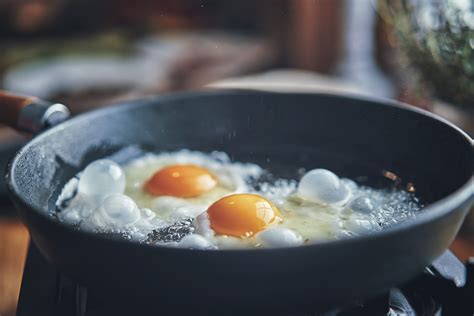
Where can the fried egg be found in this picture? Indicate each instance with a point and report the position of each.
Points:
(189, 199)
(185, 183)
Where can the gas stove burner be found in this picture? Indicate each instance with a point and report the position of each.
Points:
(446, 288)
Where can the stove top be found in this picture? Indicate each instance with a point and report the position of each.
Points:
(444, 288)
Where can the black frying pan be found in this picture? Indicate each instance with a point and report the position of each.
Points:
(282, 132)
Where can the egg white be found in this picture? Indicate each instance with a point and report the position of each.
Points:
(319, 207)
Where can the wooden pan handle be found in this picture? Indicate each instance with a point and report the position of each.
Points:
(30, 114)
(11, 106)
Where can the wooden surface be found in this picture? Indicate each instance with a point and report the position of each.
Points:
(13, 246)
(14, 240)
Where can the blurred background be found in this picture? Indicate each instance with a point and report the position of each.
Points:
(89, 53)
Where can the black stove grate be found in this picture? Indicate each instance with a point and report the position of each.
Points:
(445, 288)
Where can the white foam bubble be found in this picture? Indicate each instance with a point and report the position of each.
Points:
(101, 178)
(194, 241)
(279, 237)
(202, 226)
(362, 204)
(324, 187)
(119, 210)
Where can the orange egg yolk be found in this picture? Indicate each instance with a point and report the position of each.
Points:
(184, 181)
(242, 215)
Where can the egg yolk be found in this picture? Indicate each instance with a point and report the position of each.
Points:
(242, 215)
(181, 180)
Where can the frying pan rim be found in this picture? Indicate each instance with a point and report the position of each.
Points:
(431, 212)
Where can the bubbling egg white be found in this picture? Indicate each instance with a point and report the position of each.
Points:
(107, 197)
(232, 211)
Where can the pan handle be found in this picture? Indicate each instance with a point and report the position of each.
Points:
(30, 114)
